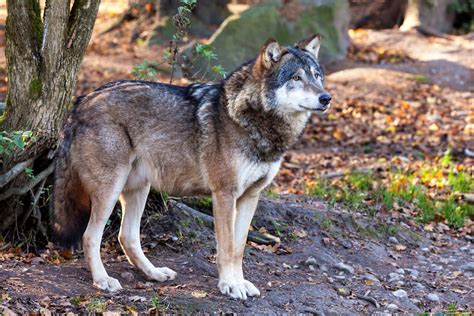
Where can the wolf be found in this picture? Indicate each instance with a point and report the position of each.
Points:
(222, 139)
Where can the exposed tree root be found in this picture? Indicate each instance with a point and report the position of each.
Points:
(24, 189)
(13, 172)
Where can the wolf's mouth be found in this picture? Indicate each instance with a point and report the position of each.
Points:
(320, 110)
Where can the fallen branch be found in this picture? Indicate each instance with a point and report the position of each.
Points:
(344, 173)
(368, 299)
(253, 236)
(22, 190)
(13, 172)
(427, 31)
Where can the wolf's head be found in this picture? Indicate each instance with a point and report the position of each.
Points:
(291, 77)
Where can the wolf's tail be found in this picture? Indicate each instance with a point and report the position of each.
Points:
(71, 203)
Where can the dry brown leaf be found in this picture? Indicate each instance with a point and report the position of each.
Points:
(400, 247)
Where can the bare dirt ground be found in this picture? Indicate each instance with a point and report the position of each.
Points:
(330, 259)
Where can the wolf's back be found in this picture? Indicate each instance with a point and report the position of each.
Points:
(71, 203)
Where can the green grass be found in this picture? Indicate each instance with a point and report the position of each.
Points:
(203, 202)
(76, 300)
(160, 305)
(433, 190)
(96, 306)
(270, 193)
(326, 223)
(420, 78)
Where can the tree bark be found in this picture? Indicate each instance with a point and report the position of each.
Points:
(432, 15)
(43, 59)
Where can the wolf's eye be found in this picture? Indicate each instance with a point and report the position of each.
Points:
(296, 78)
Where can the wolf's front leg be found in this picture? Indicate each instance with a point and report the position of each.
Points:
(224, 205)
(246, 206)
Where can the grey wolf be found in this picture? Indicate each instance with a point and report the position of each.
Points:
(221, 139)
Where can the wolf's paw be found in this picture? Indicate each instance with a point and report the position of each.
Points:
(162, 274)
(238, 289)
(251, 289)
(108, 284)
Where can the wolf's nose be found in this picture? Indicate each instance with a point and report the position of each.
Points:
(324, 98)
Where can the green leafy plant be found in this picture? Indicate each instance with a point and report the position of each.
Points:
(464, 10)
(147, 70)
(9, 141)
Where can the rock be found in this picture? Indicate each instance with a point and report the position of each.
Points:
(344, 267)
(311, 262)
(393, 240)
(127, 276)
(469, 267)
(240, 37)
(137, 298)
(371, 277)
(419, 287)
(392, 307)
(413, 273)
(206, 13)
(400, 271)
(435, 267)
(37, 260)
(417, 302)
(432, 297)
(392, 277)
(400, 293)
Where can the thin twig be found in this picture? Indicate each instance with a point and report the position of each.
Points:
(13, 172)
(22, 190)
(368, 299)
(338, 174)
(36, 197)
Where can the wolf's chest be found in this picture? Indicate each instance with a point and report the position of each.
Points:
(250, 172)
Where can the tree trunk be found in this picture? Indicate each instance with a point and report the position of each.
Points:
(431, 15)
(43, 58)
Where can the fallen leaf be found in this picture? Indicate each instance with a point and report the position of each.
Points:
(199, 294)
(400, 247)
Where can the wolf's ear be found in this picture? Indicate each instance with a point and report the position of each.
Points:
(270, 53)
(311, 44)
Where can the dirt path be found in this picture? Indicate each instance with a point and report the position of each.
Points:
(329, 261)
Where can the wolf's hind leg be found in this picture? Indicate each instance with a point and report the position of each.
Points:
(133, 203)
(102, 206)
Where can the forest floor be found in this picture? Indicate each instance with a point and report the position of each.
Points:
(372, 209)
